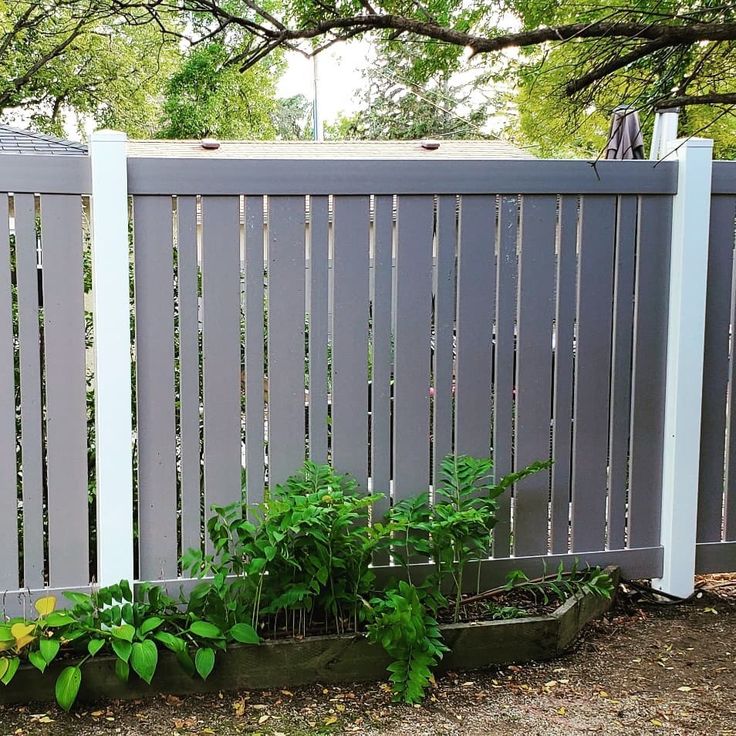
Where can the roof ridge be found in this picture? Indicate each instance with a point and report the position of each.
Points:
(44, 137)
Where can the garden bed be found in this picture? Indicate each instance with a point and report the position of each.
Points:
(328, 659)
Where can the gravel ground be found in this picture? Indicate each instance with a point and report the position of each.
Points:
(646, 669)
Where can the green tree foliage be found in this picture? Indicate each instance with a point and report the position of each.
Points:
(208, 97)
(406, 98)
(62, 55)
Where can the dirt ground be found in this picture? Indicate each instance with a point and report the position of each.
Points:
(646, 669)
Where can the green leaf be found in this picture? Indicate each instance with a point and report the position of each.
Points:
(245, 634)
(67, 687)
(144, 658)
(206, 630)
(58, 619)
(122, 670)
(126, 591)
(204, 662)
(37, 660)
(122, 649)
(10, 668)
(94, 646)
(174, 643)
(149, 625)
(124, 632)
(49, 648)
(77, 597)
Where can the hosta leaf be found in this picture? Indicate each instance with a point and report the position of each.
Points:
(94, 646)
(122, 670)
(49, 648)
(46, 605)
(58, 619)
(37, 660)
(150, 624)
(206, 630)
(245, 634)
(124, 632)
(11, 667)
(204, 661)
(122, 649)
(67, 687)
(144, 658)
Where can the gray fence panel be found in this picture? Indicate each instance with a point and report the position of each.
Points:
(8, 469)
(350, 337)
(623, 325)
(221, 349)
(413, 305)
(66, 400)
(154, 284)
(383, 233)
(563, 375)
(45, 174)
(534, 370)
(254, 365)
(286, 248)
(289, 176)
(649, 369)
(189, 402)
(475, 310)
(30, 389)
(715, 368)
(593, 357)
(503, 394)
(318, 317)
(444, 326)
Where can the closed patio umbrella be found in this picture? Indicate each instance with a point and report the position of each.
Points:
(625, 140)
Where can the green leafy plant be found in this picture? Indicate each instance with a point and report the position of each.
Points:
(304, 558)
(457, 527)
(402, 624)
(562, 584)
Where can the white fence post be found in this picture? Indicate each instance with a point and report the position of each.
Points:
(684, 381)
(112, 356)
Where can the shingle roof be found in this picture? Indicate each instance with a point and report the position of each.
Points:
(15, 140)
(402, 150)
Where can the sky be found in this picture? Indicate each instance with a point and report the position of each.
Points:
(339, 72)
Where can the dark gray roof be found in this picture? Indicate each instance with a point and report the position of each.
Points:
(15, 140)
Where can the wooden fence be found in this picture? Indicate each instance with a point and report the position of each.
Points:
(374, 314)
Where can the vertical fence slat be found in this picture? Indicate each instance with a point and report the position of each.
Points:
(715, 368)
(221, 349)
(350, 337)
(286, 227)
(8, 471)
(475, 308)
(444, 331)
(563, 374)
(189, 402)
(30, 389)
(534, 370)
(318, 315)
(154, 289)
(383, 229)
(254, 368)
(503, 393)
(730, 479)
(593, 360)
(623, 325)
(66, 408)
(649, 369)
(413, 305)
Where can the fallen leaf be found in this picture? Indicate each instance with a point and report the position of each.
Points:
(656, 722)
(239, 708)
(603, 694)
(684, 689)
(330, 720)
(263, 719)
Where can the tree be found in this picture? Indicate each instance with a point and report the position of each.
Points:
(208, 98)
(405, 99)
(62, 55)
(668, 52)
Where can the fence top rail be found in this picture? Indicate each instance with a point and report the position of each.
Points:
(724, 177)
(279, 176)
(40, 174)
